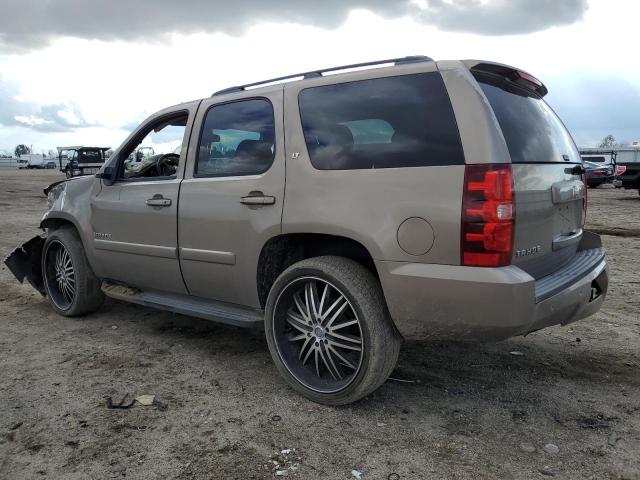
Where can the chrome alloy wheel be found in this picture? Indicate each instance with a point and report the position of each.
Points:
(318, 334)
(60, 275)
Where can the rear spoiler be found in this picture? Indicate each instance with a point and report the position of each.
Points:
(509, 74)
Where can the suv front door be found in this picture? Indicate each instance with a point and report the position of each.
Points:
(232, 195)
(135, 219)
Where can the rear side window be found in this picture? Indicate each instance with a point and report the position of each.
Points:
(533, 132)
(393, 122)
(237, 139)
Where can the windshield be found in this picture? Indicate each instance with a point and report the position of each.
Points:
(533, 132)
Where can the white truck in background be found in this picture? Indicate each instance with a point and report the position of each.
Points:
(33, 160)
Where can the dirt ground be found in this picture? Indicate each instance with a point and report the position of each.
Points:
(467, 410)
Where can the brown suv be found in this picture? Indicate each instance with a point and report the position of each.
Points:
(343, 212)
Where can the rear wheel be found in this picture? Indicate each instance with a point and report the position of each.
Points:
(329, 331)
(70, 284)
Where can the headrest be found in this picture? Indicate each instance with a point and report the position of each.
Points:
(338, 135)
(254, 148)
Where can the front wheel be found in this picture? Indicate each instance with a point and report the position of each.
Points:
(70, 284)
(329, 331)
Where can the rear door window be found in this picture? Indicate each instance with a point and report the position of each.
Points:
(237, 139)
(393, 122)
(533, 132)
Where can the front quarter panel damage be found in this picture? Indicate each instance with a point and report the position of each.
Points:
(26, 262)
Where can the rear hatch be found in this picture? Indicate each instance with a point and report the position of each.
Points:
(546, 166)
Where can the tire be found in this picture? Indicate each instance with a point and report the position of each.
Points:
(78, 291)
(328, 377)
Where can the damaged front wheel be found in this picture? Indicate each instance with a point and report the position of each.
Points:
(70, 284)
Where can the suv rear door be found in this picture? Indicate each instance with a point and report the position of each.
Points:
(232, 195)
(547, 172)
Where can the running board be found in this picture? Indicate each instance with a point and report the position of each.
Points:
(214, 310)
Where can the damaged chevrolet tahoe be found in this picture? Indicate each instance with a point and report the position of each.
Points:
(343, 213)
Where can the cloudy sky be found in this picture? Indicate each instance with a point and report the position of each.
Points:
(87, 72)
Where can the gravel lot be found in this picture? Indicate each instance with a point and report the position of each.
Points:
(464, 411)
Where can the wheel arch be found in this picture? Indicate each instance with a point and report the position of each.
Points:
(57, 220)
(282, 251)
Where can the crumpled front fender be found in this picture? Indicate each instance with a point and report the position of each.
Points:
(26, 262)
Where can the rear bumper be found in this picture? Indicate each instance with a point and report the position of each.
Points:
(485, 304)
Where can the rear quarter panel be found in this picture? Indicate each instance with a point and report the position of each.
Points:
(370, 205)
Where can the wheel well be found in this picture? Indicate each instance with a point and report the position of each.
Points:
(284, 250)
(56, 223)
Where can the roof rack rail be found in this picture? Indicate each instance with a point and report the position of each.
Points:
(319, 73)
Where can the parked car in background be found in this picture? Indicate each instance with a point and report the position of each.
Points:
(628, 176)
(600, 156)
(341, 213)
(628, 169)
(598, 174)
(50, 164)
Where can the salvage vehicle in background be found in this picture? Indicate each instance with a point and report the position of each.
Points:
(628, 169)
(340, 212)
(78, 160)
(598, 174)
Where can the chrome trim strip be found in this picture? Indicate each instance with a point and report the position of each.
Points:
(209, 256)
(567, 191)
(135, 248)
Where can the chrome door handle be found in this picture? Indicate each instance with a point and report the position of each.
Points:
(257, 198)
(159, 201)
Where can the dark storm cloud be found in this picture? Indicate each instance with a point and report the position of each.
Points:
(42, 118)
(33, 24)
(503, 17)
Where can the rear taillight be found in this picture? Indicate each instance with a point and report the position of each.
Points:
(620, 169)
(487, 215)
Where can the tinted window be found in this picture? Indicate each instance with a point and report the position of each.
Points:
(532, 130)
(237, 139)
(404, 121)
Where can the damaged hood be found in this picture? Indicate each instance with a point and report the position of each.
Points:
(60, 182)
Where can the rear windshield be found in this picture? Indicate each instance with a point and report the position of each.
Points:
(533, 132)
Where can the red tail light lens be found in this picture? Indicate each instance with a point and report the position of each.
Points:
(487, 215)
(620, 169)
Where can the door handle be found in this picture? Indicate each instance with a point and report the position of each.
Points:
(158, 201)
(258, 198)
